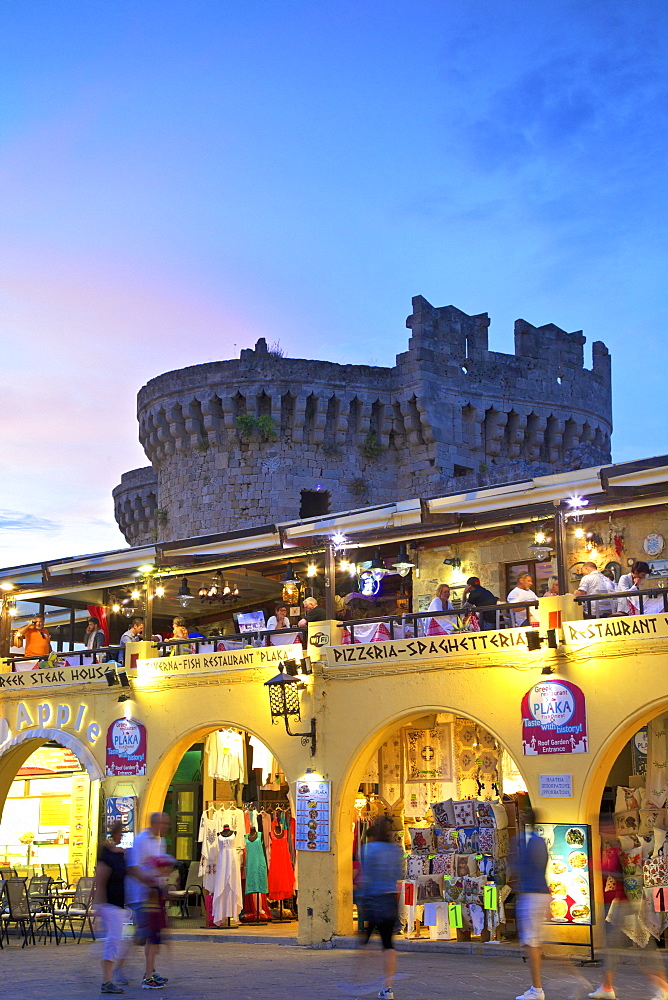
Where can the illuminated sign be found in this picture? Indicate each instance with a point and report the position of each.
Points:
(126, 748)
(205, 663)
(429, 648)
(632, 628)
(45, 715)
(554, 719)
(30, 679)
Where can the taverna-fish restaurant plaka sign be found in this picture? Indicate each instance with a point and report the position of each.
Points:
(554, 719)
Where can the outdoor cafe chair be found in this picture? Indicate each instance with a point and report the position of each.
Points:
(193, 887)
(80, 909)
(20, 913)
(39, 892)
(54, 872)
(73, 873)
(6, 871)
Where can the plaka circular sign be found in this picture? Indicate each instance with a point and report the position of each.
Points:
(554, 719)
(126, 748)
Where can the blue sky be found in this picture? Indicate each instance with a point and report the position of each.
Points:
(180, 178)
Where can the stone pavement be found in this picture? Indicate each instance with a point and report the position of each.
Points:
(228, 970)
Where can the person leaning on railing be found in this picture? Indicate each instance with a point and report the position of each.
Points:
(522, 592)
(595, 582)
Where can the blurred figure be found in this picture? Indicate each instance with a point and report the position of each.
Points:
(110, 904)
(528, 862)
(144, 888)
(618, 909)
(381, 869)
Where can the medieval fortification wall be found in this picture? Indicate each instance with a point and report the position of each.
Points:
(263, 439)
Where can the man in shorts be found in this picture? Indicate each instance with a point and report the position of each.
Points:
(143, 894)
(529, 861)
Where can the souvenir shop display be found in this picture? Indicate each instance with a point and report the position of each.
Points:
(442, 783)
(641, 824)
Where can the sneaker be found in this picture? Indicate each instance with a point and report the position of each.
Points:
(111, 988)
(151, 984)
(531, 994)
(386, 994)
(601, 994)
(160, 979)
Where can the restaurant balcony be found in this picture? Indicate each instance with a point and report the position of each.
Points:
(495, 634)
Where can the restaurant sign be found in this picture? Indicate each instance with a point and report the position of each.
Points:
(429, 648)
(554, 719)
(28, 680)
(209, 663)
(634, 627)
(126, 748)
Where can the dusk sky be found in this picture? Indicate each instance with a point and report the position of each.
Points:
(180, 178)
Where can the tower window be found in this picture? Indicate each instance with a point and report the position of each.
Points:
(314, 503)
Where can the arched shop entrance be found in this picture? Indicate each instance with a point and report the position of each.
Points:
(631, 789)
(50, 789)
(453, 794)
(223, 779)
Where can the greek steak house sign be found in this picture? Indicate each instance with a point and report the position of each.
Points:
(554, 719)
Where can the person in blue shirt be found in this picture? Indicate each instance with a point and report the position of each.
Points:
(528, 863)
(382, 867)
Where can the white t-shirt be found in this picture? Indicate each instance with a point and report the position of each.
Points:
(597, 583)
(272, 623)
(145, 846)
(520, 617)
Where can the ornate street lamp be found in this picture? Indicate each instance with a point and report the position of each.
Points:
(284, 703)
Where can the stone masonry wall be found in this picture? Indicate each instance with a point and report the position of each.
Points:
(233, 444)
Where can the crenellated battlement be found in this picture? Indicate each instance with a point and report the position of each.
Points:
(265, 438)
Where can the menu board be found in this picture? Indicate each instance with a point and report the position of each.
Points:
(569, 872)
(122, 808)
(313, 812)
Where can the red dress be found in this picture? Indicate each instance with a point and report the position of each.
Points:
(281, 873)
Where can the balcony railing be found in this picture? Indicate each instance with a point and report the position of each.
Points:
(650, 601)
(422, 623)
(217, 644)
(75, 657)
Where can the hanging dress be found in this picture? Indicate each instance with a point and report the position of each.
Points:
(281, 872)
(227, 897)
(256, 866)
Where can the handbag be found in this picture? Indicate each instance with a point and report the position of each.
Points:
(655, 871)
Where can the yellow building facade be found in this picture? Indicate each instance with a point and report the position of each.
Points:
(359, 695)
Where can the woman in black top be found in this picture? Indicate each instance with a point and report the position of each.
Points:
(110, 903)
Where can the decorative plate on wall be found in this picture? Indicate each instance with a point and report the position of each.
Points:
(653, 544)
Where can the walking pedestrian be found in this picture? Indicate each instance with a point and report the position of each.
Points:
(618, 910)
(528, 864)
(110, 903)
(143, 890)
(382, 868)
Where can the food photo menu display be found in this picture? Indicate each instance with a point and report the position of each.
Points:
(569, 871)
(312, 819)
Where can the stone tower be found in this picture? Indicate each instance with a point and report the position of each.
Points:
(264, 439)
